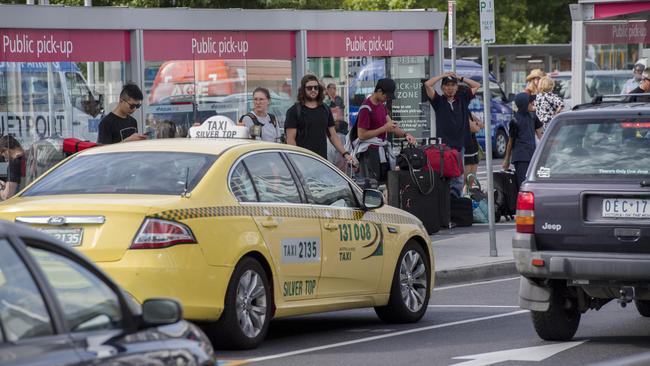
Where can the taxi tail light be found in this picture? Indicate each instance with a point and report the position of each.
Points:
(525, 217)
(156, 234)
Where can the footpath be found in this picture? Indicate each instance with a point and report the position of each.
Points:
(462, 254)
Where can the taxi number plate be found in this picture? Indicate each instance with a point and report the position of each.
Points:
(70, 236)
(626, 207)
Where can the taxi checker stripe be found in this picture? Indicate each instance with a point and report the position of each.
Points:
(298, 212)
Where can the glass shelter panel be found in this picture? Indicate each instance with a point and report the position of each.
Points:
(192, 76)
(354, 61)
(57, 90)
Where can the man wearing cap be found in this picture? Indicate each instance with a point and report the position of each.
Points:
(533, 79)
(644, 87)
(633, 83)
(452, 114)
(373, 125)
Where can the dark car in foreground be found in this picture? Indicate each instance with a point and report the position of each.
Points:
(583, 217)
(56, 308)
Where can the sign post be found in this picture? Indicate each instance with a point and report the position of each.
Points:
(488, 35)
(451, 31)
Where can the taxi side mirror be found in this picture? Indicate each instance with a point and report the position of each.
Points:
(372, 199)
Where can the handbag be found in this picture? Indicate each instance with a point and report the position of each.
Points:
(411, 157)
(444, 160)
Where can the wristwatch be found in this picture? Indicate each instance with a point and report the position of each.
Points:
(461, 79)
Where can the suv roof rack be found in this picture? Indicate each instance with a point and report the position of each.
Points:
(619, 99)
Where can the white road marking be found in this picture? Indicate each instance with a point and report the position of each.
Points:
(374, 338)
(475, 283)
(474, 306)
(538, 353)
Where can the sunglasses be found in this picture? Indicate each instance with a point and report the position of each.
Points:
(133, 106)
(312, 87)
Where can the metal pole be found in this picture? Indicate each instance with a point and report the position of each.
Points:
(90, 66)
(488, 147)
(451, 30)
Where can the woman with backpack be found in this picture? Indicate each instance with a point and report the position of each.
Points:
(262, 124)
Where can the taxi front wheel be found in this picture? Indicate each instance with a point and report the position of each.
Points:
(247, 308)
(411, 287)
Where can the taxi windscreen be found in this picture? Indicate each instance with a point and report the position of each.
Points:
(165, 173)
(612, 149)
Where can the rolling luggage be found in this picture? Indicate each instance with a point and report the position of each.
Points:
(462, 211)
(505, 194)
(408, 195)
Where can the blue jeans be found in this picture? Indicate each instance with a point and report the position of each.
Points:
(456, 184)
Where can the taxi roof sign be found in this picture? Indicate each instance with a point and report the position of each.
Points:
(219, 127)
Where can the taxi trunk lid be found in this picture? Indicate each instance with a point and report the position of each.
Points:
(101, 226)
(582, 217)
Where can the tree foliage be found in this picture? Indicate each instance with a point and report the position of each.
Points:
(517, 21)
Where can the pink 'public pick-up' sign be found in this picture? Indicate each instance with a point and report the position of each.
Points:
(210, 45)
(618, 33)
(369, 43)
(48, 45)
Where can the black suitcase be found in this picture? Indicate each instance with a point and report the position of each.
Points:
(461, 211)
(444, 199)
(505, 194)
(404, 194)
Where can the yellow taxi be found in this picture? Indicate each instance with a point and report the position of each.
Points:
(239, 231)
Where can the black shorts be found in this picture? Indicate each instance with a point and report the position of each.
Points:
(471, 160)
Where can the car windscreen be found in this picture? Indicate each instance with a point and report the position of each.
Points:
(609, 149)
(164, 173)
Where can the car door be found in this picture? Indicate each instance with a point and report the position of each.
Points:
(29, 332)
(352, 243)
(288, 225)
(97, 319)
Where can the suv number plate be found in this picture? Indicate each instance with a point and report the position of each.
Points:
(626, 207)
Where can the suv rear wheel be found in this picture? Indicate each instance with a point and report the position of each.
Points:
(643, 306)
(560, 322)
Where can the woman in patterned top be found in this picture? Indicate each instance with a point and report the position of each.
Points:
(547, 104)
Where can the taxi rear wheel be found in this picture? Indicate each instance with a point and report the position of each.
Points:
(247, 308)
(411, 287)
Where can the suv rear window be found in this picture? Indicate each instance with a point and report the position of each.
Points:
(125, 173)
(614, 149)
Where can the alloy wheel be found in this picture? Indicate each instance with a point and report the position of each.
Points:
(413, 280)
(251, 303)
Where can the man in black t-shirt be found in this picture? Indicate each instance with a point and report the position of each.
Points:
(119, 126)
(315, 123)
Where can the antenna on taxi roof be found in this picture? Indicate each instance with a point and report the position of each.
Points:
(185, 193)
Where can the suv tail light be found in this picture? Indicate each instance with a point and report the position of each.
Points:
(525, 217)
(156, 234)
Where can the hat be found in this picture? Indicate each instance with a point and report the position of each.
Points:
(638, 67)
(449, 79)
(535, 73)
(387, 86)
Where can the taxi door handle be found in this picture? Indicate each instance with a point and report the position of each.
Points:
(331, 226)
(270, 222)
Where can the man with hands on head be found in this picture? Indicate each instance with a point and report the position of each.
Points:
(452, 114)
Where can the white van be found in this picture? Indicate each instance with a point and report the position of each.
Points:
(40, 104)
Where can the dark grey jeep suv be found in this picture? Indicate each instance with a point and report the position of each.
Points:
(583, 217)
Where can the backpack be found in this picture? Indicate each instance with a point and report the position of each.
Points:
(256, 122)
(353, 133)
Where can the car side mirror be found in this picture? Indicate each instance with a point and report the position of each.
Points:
(372, 199)
(160, 311)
